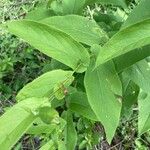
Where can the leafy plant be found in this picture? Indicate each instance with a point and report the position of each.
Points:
(99, 70)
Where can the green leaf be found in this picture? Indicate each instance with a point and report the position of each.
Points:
(80, 28)
(139, 14)
(101, 96)
(49, 3)
(52, 42)
(113, 80)
(140, 74)
(130, 97)
(124, 41)
(70, 132)
(40, 12)
(50, 145)
(61, 145)
(56, 7)
(124, 61)
(66, 7)
(57, 103)
(15, 122)
(53, 65)
(39, 127)
(144, 113)
(43, 86)
(78, 103)
(48, 115)
(72, 6)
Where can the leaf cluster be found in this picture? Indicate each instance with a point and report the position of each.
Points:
(99, 71)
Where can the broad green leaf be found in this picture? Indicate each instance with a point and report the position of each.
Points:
(144, 113)
(53, 65)
(139, 13)
(124, 61)
(78, 103)
(49, 3)
(66, 7)
(130, 97)
(112, 78)
(56, 7)
(126, 40)
(15, 122)
(70, 132)
(50, 145)
(102, 98)
(57, 103)
(61, 145)
(72, 6)
(40, 12)
(110, 72)
(110, 69)
(43, 86)
(140, 74)
(52, 42)
(80, 28)
(48, 115)
(39, 127)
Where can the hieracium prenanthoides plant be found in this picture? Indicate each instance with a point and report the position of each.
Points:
(100, 71)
